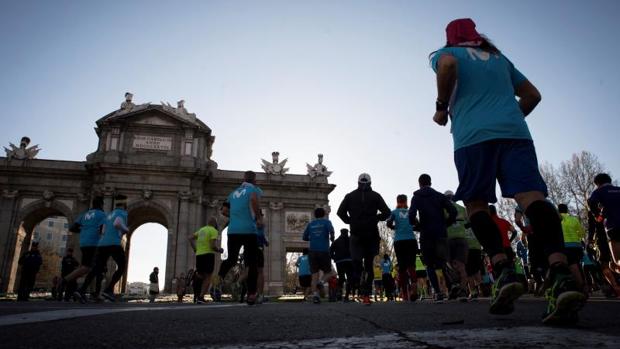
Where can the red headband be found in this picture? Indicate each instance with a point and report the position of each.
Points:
(461, 30)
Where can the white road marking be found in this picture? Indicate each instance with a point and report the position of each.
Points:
(522, 337)
(43, 316)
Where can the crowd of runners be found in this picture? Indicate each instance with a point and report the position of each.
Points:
(443, 249)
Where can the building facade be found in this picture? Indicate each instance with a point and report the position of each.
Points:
(158, 156)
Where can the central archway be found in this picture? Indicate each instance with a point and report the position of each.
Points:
(149, 245)
(149, 224)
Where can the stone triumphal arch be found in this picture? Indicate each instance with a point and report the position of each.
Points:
(160, 157)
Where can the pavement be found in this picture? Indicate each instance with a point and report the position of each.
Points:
(275, 325)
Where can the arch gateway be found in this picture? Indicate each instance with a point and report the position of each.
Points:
(159, 156)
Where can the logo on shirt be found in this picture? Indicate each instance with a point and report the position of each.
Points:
(89, 215)
(239, 193)
(403, 215)
(480, 54)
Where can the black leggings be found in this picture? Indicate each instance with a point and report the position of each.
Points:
(250, 248)
(345, 273)
(101, 259)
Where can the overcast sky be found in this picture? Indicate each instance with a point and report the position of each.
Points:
(349, 79)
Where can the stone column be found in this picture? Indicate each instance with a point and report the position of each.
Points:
(170, 265)
(108, 199)
(8, 234)
(182, 245)
(274, 261)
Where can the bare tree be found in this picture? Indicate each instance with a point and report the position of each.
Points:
(557, 192)
(506, 209)
(386, 245)
(576, 177)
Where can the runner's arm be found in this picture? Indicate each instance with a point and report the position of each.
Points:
(390, 222)
(413, 212)
(342, 211)
(120, 225)
(192, 240)
(529, 97)
(255, 204)
(446, 77)
(213, 243)
(383, 209)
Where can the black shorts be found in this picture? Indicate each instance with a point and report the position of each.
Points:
(420, 274)
(88, 255)
(378, 282)
(573, 255)
(405, 250)
(458, 250)
(320, 261)
(205, 263)
(613, 235)
(260, 258)
(305, 280)
(474, 262)
(434, 252)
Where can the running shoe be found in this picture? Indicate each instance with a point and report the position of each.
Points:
(462, 295)
(366, 300)
(474, 294)
(79, 297)
(109, 296)
(505, 291)
(564, 301)
(316, 299)
(438, 298)
(454, 292)
(251, 299)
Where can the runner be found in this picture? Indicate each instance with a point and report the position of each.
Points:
(597, 238)
(245, 219)
(341, 254)
(90, 227)
(68, 265)
(386, 277)
(475, 264)
(573, 237)
(303, 272)
(110, 246)
(319, 233)
(204, 244)
(458, 252)
(536, 255)
(507, 232)
(606, 201)
(359, 209)
(492, 142)
(422, 282)
(377, 280)
(432, 207)
(405, 247)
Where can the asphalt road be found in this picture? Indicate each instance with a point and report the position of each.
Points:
(46, 324)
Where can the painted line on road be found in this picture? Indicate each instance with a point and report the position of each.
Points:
(53, 315)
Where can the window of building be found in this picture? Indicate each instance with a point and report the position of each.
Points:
(50, 223)
(61, 251)
(36, 235)
(64, 238)
(66, 225)
(49, 236)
